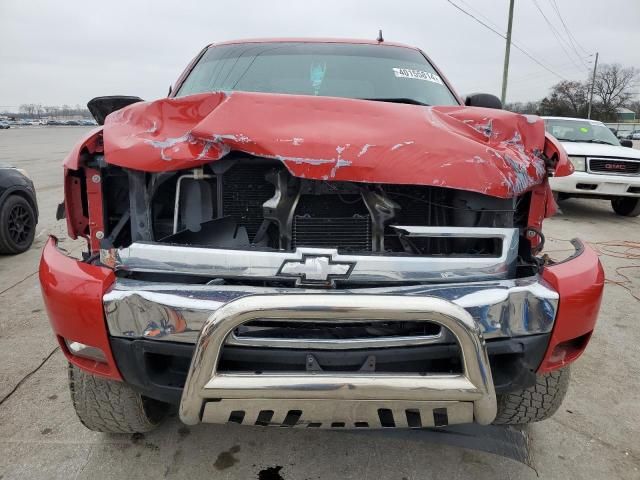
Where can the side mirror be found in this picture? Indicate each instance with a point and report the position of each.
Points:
(485, 100)
(100, 107)
(626, 143)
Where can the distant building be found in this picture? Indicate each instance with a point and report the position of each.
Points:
(625, 115)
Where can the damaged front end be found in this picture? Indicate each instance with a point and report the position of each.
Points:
(283, 172)
(268, 238)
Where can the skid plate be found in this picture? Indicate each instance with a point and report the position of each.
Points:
(304, 413)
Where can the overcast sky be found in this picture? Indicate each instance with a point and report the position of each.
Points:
(68, 51)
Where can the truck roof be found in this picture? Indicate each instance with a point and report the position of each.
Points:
(313, 40)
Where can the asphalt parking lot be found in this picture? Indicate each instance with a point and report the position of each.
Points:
(594, 435)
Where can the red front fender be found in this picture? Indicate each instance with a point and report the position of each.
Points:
(580, 282)
(72, 292)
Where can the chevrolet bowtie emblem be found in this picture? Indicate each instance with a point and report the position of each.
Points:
(316, 270)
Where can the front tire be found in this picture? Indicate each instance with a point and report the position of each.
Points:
(17, 225)
(112, 407)
(534, 403)
(626, 206)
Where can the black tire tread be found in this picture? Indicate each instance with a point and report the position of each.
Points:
(626, 206)
(109, 406)
(535, 403)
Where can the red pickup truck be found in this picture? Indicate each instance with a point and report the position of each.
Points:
(315, 233)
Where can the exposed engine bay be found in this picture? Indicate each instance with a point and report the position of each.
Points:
(253, 203)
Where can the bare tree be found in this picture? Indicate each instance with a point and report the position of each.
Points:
(613, 88)
(523, 107)
(573, 94)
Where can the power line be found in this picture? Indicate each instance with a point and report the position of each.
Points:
(503, 36)
(572, 41)
(566, 29)
(480, 14)
(557, 35)
(564, 68)
(494, 25)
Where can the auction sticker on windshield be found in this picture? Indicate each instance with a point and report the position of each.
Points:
(417, 75)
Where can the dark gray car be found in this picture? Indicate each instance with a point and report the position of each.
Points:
(18, 210)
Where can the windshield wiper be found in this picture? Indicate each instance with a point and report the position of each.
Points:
(398, 100)
(586, 141)
(599, 141)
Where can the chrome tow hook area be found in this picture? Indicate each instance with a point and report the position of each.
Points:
(339, 399)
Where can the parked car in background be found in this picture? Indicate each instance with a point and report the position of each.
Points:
(604, 168)
(622, 134)
(327, 235)
(4, 125)
(18, 210)
(635, 135)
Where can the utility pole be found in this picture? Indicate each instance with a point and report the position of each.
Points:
(505, 72)
(593, 82)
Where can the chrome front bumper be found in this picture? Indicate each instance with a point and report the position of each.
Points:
(177, 312)
(339, 399)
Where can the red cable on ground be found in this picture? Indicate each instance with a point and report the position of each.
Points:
(612, 248)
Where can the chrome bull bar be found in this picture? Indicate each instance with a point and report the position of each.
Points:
(342, 399)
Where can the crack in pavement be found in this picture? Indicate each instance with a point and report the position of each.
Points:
(23, 379)
(87, 460)
(18, 282)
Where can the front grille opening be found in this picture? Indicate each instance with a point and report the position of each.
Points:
(343, 330)
(348, 234)
(244, 191)
(586, 186)
(252, 203)
(419, 360)
(442, 246)
(332, 220)
(614, 166)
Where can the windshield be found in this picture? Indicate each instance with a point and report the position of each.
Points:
(587, 131)
(375, 72)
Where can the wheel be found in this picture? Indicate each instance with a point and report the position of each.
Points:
(17, 225)
(535, 403)
(112, 407)
(626, 206)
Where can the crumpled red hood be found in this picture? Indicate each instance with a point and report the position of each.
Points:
(494, 152)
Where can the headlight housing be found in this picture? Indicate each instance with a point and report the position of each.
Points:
(579, 163)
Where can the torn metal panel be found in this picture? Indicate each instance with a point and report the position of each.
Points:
(328, 138)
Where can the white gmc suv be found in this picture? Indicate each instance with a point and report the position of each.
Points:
(605, 167)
